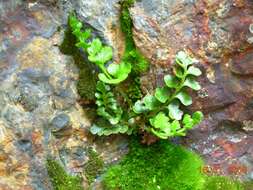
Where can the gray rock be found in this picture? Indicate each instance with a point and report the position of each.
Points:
(60, 122)
(102, 16)
(9, 5)
(25, 145)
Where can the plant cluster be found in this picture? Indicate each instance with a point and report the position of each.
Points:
(160, 113)
(163, 108)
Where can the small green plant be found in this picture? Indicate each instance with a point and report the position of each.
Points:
(161, 113)
(113, 74)
(163, 108)
(100, 55)
(107, 104)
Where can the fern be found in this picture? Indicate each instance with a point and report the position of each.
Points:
(113, 74)
(160, 113)
(107, 129)
(99, 54)
(107, 104)
(163, 108)
(109, 110)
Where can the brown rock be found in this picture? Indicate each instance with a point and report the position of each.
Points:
(243, 64)
(237, 169)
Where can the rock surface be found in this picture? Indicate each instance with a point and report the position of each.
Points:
(102, 16)
(219, 34)
(39, 111)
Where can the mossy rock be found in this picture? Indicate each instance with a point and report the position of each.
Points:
(165, 166)
(86, 84)
(94, 166)
(162, 166)
(132, 55)
(60, 179)
(222, 183)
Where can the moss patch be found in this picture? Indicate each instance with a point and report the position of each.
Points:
(162, 166)
(130, 89)
(222, 183)
(86, 85)
(248, 185)
(94, 166)
(60, 179)
(126, 24)
(165, 166)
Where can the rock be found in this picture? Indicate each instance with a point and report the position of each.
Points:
(251, 176)
(60, 122)
(40, 116)
(242, 64)
(30, 83)
(237, 169)
(9, 6)
(25, 144)
(61, 125)
(205, 28)
(219, 34)
(102, 16)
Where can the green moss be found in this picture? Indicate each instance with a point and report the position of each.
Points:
(130, 89)
(94, 166)
(86, 85)
(222, 183)
(67, 46)
(126, 26)
(138, 61)
(162, 166)
(60, 179)
(248, 185)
